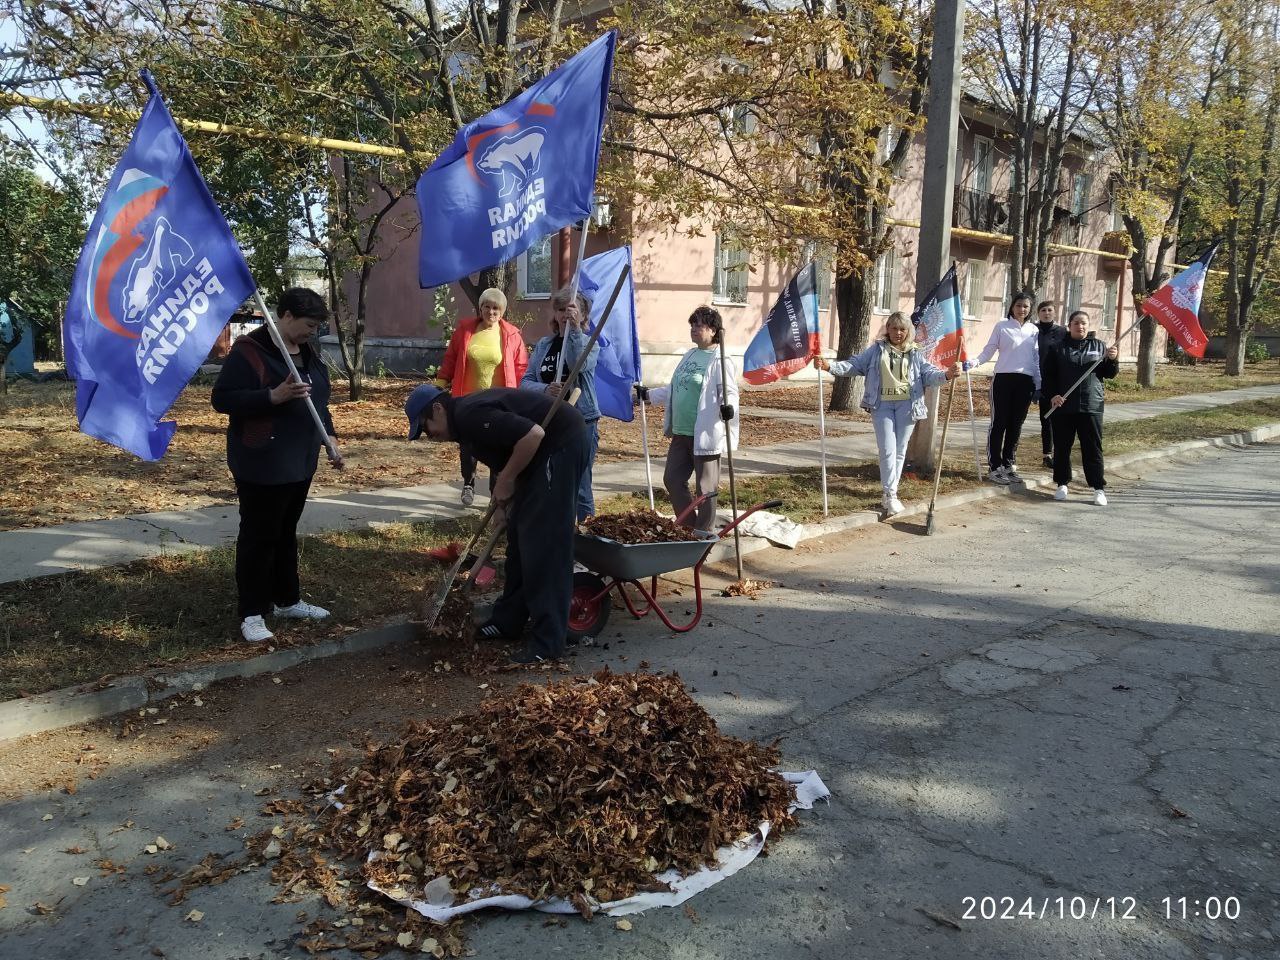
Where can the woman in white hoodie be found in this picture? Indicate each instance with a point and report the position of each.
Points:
(699, 407)
(1015, 384)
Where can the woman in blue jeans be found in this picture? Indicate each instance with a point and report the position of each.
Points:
(896, 374)
(569, 334)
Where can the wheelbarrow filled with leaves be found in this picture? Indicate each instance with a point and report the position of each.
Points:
(615, 565)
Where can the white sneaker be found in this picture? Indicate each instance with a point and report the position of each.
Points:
(1061, 492)
(894, 506)
(254, 630)
(468, 494)
(300, 611)
(1099, 498)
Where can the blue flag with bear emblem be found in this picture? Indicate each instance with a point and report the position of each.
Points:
(517, 173)
(158, 278)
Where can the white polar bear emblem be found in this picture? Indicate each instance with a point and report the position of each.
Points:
(514, 159)
(155, 269)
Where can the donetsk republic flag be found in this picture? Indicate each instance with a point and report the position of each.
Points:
(939, 322)
(1176, 305)
(790, 337)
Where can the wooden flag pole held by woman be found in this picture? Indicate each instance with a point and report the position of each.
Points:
(728, 447)
(937, 470)
(822, 441)
(644, 440)
(269, 319)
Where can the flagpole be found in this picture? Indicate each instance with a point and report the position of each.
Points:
(644, 439)
(973, 426)
(822, 441)
(968, 385)
(573, 289)
(728, 446)
(1093, 366)
(270, 320)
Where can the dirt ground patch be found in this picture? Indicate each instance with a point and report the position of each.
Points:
(59, 475)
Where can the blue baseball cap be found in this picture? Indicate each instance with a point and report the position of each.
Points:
(421, 398)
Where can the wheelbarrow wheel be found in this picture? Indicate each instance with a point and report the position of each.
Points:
(589, 607)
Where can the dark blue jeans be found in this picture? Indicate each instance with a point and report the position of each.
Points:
(587, 500)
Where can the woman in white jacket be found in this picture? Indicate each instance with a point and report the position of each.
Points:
(698, 409)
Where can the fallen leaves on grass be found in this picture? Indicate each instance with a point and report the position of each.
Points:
(637, 526)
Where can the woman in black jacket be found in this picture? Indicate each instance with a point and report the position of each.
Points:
(1080, 414)
(273, 448)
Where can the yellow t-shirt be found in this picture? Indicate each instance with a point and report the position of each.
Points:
(484, 357)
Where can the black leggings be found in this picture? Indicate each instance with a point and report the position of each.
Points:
(469, 464)
(1010, 398)
(267, 548)
(1067, 429)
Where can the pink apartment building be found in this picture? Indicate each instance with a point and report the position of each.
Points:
(675, 274)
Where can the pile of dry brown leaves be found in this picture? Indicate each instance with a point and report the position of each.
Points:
(582, 789)
(637, 526)
(748, 588)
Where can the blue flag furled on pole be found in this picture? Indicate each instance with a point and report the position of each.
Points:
(790, 337)
(158, 278)
(518, 173)
(939, 322)
(618, 367)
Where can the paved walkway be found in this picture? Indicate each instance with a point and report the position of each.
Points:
(77, 546)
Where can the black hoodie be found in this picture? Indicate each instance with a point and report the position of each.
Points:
(1051, 334)
(270, 443)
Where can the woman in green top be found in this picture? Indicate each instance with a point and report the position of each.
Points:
(701, 417)
(893, 393)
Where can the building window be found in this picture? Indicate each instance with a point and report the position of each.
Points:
(730, 282)
(1008, 287)
(533, 270)
(822, 257)
(1075, 294)
(975, 288)
(1117, 215)
(984, 160)
(886, 299)
(1109, 290)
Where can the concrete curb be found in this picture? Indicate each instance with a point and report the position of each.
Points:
(83, 704)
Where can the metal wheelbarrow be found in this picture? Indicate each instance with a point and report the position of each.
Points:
(612, 565)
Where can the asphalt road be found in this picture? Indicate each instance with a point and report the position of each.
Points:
(1046, 728)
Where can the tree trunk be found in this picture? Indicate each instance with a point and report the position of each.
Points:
(853, 308)
(499, 277)
(1236, 343)
(1146, 352)
(355, 369)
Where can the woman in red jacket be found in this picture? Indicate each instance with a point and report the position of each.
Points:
(484, 352)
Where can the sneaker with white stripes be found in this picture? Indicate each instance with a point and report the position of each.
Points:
(998, 475)
(301, 611)
(254, 630)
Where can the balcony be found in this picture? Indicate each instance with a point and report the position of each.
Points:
(978, 210)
